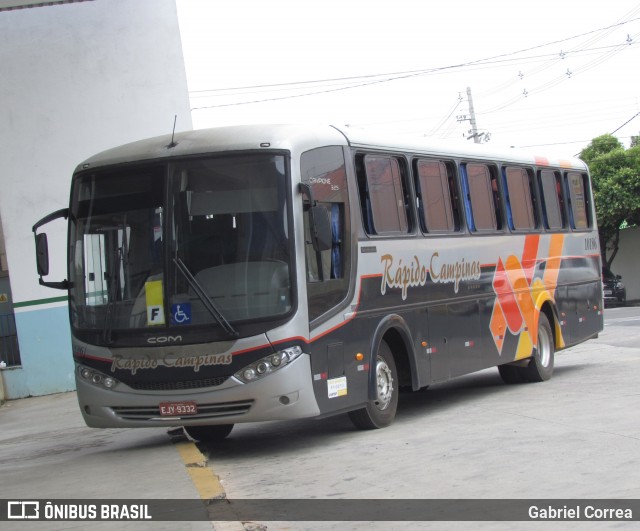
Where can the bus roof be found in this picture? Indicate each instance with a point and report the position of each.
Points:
(300, 138)
(419, 144)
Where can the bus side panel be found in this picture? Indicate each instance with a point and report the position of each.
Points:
(438, 342)
(579, 299)
(340, 380)
(465, 337)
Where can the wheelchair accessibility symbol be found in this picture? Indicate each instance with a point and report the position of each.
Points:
(181, 313)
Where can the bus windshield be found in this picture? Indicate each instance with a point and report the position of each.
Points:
(198, 242)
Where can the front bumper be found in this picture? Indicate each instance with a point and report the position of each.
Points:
(285, 394)
(615, 296)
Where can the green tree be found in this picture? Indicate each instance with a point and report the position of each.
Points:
(615, 173)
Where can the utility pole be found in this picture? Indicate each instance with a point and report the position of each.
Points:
(473, 132)
(472, 118)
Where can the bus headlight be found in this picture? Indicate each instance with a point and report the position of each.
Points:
(97, 378)
(267, 365)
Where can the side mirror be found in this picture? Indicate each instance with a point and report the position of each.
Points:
(319, 221)
(42, 250)
(320, 228)
(42, 254)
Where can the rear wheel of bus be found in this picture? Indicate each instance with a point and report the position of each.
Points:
(381, 411)
(208, 433)
(540, 366)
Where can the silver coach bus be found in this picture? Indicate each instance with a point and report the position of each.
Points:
(254, 273)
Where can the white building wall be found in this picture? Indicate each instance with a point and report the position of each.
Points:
(76, 79)
(627, 262)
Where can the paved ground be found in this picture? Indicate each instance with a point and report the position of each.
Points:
(576, 436)
(46, 452)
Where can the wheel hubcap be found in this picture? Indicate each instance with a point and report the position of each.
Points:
(384, 380)
(544, 348)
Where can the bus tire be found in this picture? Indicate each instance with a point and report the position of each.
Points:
(379, 413)
(209, 433)
(540, 367)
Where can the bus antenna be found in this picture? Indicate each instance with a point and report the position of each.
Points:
(173, 134)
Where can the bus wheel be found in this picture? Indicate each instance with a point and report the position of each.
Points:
(540, 367)
(208, 433)
(380, 412)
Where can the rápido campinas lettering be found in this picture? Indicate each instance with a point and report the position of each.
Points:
(194, 361)
(402, 276)
(453, 272)
(415, 272)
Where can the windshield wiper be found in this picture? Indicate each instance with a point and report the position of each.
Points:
(202, 295)
(114, 286)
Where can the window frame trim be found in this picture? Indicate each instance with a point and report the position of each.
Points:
(359, 155)
(454, 201)
(535, 203)
(585, 180)
(562, 206)
(494, 172)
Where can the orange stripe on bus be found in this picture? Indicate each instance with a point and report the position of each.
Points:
(506, 298)
(521, 287)
(552, 269)
(530, 254)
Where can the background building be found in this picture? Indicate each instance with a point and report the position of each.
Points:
(626, 262)
(77, 78)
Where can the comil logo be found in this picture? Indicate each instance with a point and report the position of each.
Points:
(161, 340)
(23, 510)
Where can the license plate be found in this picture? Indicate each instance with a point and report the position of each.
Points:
(607, 292)
(177, 409)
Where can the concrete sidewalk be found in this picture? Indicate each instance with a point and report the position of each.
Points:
(46, 452)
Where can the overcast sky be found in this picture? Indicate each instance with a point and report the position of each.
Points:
(551, 74)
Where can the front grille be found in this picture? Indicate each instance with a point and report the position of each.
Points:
(177, 386)
(205, 411)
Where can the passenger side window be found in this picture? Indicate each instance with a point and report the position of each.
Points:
(482, 197)
(436, 195)
(383, 195)
(552, 200)
(578, 200)
(519, 196)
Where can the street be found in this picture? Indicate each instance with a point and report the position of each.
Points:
(576, 436)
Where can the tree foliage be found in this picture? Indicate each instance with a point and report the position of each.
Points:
(615, 173)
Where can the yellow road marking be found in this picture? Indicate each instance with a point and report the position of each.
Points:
(190, 454)
(205, 481)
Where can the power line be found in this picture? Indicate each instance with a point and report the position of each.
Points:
(555, 143)
(629, 120)
(560, 79)
(418, 71)
(563, 143)
(443, 121)
(415, 73)
(394, 76)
